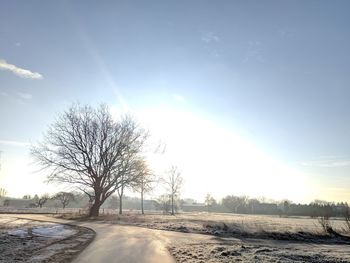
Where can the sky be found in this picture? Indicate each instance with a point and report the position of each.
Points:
(250, 97)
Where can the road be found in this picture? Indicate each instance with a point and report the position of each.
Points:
(117, 243)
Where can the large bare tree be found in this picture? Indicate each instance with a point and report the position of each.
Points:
(174, 183)
(87, 148)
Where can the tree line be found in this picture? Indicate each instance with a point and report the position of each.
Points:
(246, 205)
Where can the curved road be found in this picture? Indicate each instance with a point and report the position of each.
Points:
(118, 243)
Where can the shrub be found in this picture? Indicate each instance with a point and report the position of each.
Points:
(325, 224)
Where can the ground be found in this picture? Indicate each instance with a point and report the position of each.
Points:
(27, 240)
(257, 251)
(203, 237)
(242, 238)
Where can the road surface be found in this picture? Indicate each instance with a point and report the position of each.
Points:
(117, 243)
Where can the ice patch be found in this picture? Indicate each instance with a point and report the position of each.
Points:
(55, 231)
(22, 233)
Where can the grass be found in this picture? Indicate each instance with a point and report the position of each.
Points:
(298, 229)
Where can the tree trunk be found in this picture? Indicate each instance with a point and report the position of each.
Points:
(120, 205)
(172, 204)
(94, 210)
(120, 194)
(142, 203)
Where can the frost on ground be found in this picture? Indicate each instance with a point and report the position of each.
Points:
(24, 240)
(246, 251)
(244, 238)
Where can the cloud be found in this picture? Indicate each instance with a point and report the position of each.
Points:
(208, 37)
(327, 162)
(3, 94)
(254, 52)
(283, 33)
(25, 96)
(23, 73)
(14, 143)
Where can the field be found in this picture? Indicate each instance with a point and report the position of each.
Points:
(243, 238)
(206, 223)
(192, 237)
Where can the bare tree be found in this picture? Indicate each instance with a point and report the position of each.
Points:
(65, 198)
(145, 180)
(163, 203)
(86, 148)
(209, 201)
(174, 183)
(132, 172)
(40, 201)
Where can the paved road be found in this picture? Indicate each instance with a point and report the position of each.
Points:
(116, 243)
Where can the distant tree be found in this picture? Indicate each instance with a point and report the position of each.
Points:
(6, 202)
(64, 197)
(164, 203)
(286, 206)
(88, 149)
(252, 203)
(40, 201)
(242, 204)
(174, 183)
(27, 197)
(3, 192)
(209, 202)
(130, 178)
(145, 180)
(236, 204)
(231, 202)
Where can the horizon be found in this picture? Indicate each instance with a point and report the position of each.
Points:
(249, 98)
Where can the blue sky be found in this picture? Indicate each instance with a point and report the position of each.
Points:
(276, 73)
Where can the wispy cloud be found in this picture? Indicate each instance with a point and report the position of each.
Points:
(23, 73)
(208, 37)
(14, 143)
(25, 96)
(328, 162)
(254, 52)
(284, 33)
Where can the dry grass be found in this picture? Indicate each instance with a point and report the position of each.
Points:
(302, 229)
